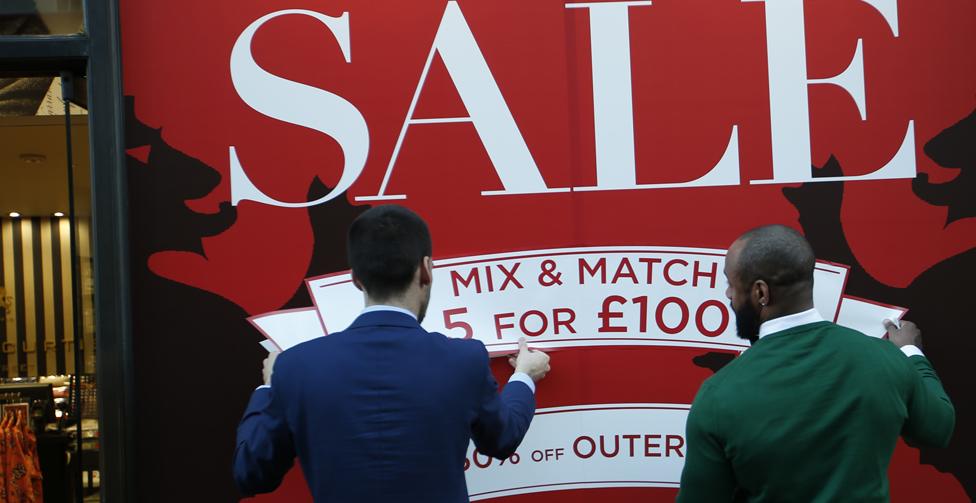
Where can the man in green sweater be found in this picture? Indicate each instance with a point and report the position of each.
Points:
(812, 411)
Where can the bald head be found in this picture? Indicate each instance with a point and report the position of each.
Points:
(770, 273)
(776, 254)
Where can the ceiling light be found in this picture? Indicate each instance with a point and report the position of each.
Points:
(14, 214)
(58, 214)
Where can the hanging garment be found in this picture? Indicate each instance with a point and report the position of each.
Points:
(18, 459)
(3, 459)
(34, 467)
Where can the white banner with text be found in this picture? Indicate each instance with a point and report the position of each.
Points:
(576, 297)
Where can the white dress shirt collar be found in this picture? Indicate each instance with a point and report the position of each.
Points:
(789, 321)
(381, 307)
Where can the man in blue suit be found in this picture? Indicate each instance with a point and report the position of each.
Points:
(384, 410)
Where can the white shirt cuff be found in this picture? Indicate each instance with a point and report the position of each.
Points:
(263, 386)
(523, 377)
(911, 350)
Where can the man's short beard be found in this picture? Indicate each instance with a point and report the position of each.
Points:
(747, 323)
(423, 308)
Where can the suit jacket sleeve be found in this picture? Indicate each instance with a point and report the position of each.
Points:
(931, 416)
(501, 420)
(265, 450)
(707, 475)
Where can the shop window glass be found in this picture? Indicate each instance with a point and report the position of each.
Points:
(47, 322)
(41, 17)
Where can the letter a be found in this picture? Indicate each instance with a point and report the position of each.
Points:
(487, 108)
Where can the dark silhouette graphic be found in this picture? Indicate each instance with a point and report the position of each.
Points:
(330, 224)
(197, 359)
(954, 147)
(713, 360)
(940, 299)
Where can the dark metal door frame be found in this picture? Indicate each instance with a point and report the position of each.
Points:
(97, 55)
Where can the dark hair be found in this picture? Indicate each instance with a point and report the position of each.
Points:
(778, 255)
(386, 245)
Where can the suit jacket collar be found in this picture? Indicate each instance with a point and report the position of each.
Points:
(384, 319)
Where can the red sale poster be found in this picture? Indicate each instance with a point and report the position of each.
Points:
(583, 167)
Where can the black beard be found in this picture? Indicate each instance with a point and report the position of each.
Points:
(423, 308)
(747, 323)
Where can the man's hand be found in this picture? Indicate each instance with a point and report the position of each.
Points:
(533, 363)
(907, 334)
(269, 366)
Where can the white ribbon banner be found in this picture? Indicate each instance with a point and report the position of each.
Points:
(576, 297)
(606, 445)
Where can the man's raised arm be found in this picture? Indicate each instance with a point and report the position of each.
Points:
(265, 450)
(931, 416)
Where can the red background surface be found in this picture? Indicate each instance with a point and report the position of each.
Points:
(699, 66)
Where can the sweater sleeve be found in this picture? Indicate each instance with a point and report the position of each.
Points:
(707, 475)
(931, 416)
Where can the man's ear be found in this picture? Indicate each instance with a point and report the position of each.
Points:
(426, 271)
(355, 281)
(760, 293)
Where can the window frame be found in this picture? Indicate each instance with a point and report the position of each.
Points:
(96, 54)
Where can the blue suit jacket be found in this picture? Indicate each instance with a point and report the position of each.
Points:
(382, 411)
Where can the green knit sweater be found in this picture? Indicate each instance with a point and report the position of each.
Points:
(809, 414)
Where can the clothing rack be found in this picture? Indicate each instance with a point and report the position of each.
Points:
(19, 462)
(38, 396)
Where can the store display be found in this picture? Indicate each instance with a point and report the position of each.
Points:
(19, 462)
(48, 417)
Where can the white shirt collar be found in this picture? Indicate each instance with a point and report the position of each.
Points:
(381, 307)
(790, 321)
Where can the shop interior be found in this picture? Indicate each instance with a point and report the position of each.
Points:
(48, 400)
(50, 434)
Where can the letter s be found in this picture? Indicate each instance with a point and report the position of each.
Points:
(298, 104)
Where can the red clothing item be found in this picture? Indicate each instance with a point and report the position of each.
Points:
(36, 478)
(20, 467)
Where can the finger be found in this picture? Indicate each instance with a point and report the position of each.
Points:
(523, 345)
(512, 361)
(890, 326)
